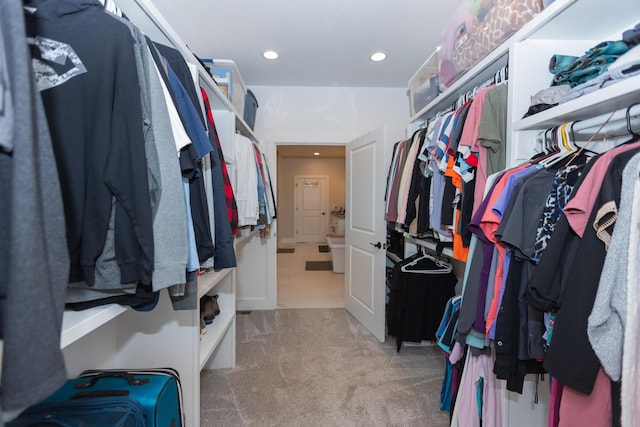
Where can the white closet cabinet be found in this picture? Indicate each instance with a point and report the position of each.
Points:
(118, 337)
(564, 27)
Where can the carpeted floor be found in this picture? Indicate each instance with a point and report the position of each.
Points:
(320, 367)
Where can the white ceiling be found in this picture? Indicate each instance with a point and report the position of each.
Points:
(321, 43)
(306, 150)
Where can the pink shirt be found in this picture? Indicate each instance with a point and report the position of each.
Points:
(469, 138)
(579, 207)
(478, 367)
(593, 410)
(405, 180)
(489, 225)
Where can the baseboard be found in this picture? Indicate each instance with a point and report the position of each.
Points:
(254, 304)
(287, 240)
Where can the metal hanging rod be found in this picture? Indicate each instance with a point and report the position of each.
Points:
(623, 119)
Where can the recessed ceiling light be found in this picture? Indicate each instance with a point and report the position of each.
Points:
(316, 154)
(378, 56)
(270, 54)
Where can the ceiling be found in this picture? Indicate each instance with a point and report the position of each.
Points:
(326, 151)
(321, 43)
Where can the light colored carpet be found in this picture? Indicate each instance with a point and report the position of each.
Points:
(320, 367)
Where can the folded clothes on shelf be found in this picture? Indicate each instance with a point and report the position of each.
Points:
(574, 70)
(627, 65)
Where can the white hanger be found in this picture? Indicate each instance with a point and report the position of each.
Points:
(559, 146)
(443, 267)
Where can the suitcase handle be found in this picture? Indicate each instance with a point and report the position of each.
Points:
(125, 376)
(99, 393)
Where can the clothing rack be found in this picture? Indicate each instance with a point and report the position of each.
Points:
(446, 254)
(609, 129)
(626, 118)
(500, 76)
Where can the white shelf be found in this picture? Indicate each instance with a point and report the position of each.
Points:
(602, 101)
(566, 27)
(147, 17)
(242, 240)
(214, 335)
(208, 281)
(77, 324)
(429, 244)
(562, 16)
(165, 336)
(480, 73)
(582, 20)
(393, 257)
(497, 58)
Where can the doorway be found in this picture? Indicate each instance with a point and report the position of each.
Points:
(310, 204)
(296, 286)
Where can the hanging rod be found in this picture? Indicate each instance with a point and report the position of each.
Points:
(617, 121)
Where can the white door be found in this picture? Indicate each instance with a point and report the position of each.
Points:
(365, 231)
(311, 199)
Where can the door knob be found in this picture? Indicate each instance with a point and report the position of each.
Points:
(377, 245)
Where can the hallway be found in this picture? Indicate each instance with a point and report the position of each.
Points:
(298, 288)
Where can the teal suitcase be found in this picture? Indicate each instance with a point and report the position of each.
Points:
(139, 398)
(118, 411)
(159, 392)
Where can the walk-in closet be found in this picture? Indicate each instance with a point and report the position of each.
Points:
(479, 261)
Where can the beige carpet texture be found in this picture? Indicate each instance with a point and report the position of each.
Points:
(321, 367)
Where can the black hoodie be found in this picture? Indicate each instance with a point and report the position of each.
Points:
(85, 69)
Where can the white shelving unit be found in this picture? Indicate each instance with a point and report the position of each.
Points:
(114, 336)
(77, 324)
(564, 27)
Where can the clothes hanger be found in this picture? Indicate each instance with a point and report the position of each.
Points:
(565, 138)
(574, 150)
(593, 137)
(545, 150)
(573, 141)
(571, 137)
(552, 146)
(501, 76)
(441, 267)
(556, 148)
(634, 134)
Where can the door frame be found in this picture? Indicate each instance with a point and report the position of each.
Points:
(276, 171)
(296, 201)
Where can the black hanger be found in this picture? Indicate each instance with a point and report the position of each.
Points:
(635, 135)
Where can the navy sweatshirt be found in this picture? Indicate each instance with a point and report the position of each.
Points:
(85, 69)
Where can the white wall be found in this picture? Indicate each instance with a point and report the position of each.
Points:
(300, 115)
(288, 168)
